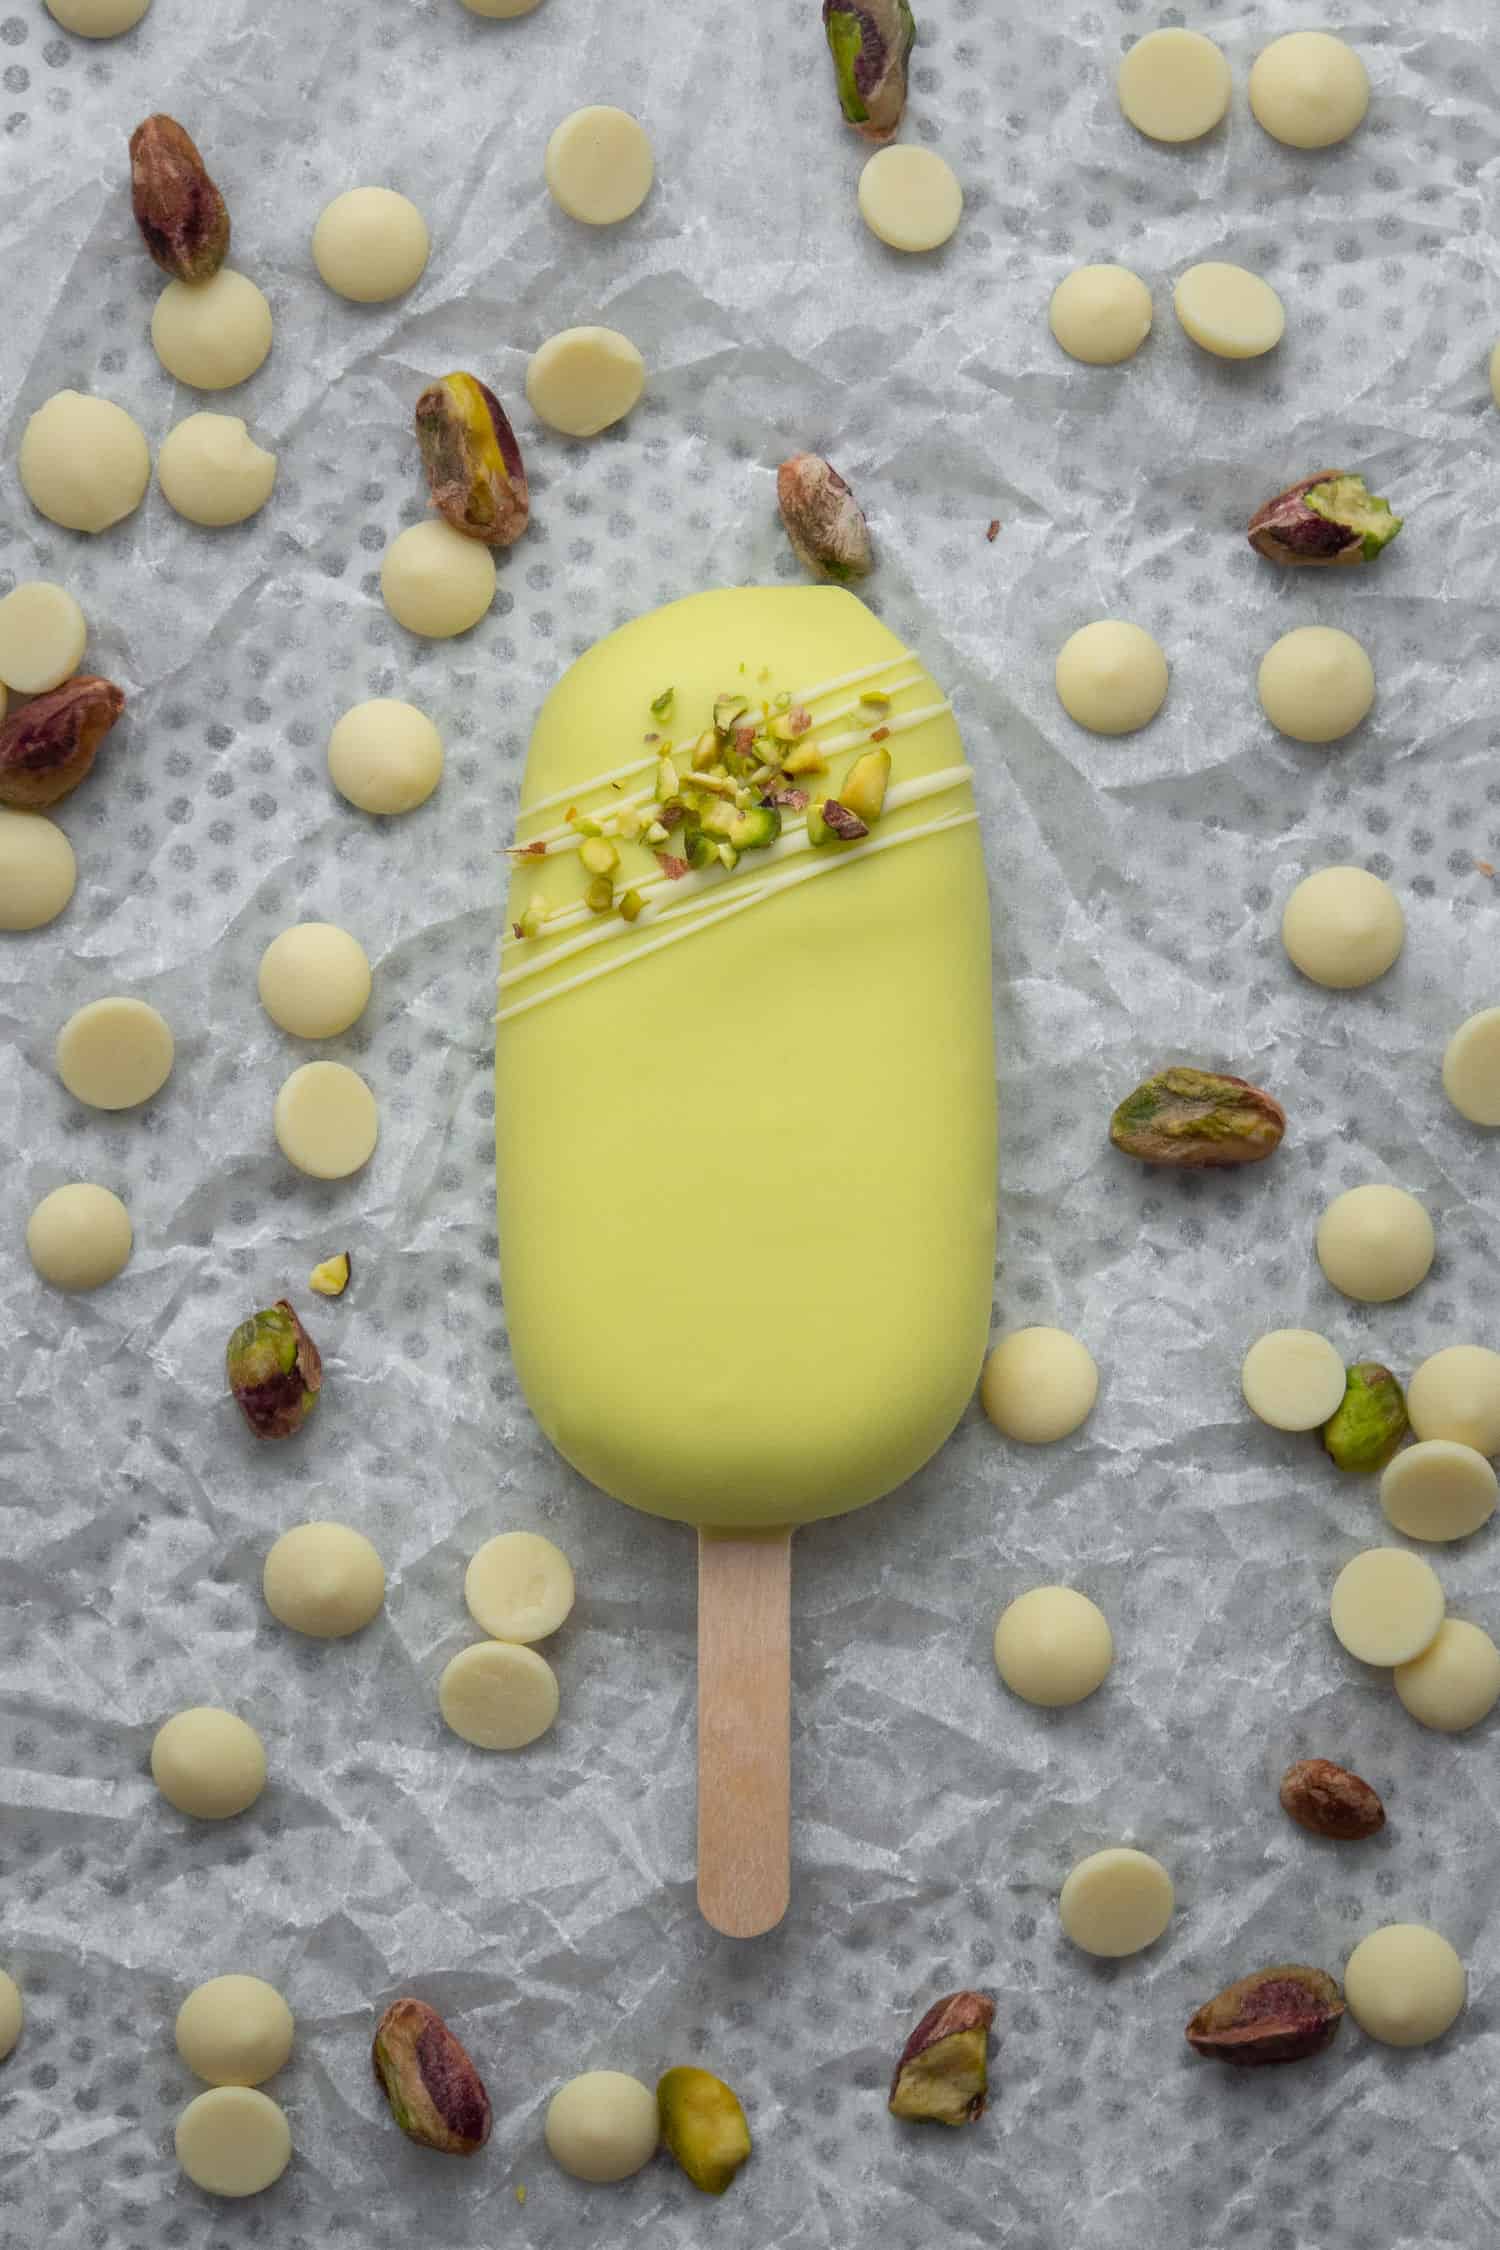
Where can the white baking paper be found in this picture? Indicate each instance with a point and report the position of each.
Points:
(545, 1901)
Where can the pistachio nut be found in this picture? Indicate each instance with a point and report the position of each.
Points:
(871, 43)
(943, 2074)
(1197, 1119)
(48, 746)
(473, 463)
(823, 519)
(1327, 518)
(703, 2124)
(182, 216)
(1369, 1423)
(436, 2095)
(1278, 2015)
(275, 1371)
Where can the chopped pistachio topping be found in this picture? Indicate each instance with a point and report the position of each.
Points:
(661, 705)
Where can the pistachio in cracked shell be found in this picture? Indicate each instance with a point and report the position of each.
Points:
(1197, 1120)
(1331, 517)
(275, 1371)
(943, 2075)
(473, 463)
(436, 2095)
(871, 43)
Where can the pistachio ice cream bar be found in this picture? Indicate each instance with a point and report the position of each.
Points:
(745, 1124)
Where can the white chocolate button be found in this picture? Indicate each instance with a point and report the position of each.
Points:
(12, 2014)
(1316, 684)
(1343, 927)
(325, 1580)
(79, 1236)
(234, 2031)
(1456, 1394)
(233, 2141)
(1455, 1683)
(1495, 374)
(599, 165)
(1053, 1647)
(37, 870)
(1111, 677)
(385, 756)
(97, 19)
(1375, 1243)
(1116, 1902)
(1438, 1490)
(314, 980)
(370, 245)
(212, 472)
(42, 634)
(603, 2126)
(1038, 1385)
(1229, 312)
(1100, 314)
(1293, 1379)
(583, 380)
(498, 1695)
(1404, 1985)
(212, 334)
(1471, 1068)
(1174, 85)
(519, 1587)
(1309, 90)
(84, 463)
(208, 1763)
(114, 1054)
(326, 1120)
(910, 198)
(435, 581)
(1387, 1606)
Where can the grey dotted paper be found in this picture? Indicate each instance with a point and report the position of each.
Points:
(546, 1901)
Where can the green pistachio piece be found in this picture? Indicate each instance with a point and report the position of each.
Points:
(275, 1371)
(1197, 1119)
(1369, 1425)
(703, 2124)
(871, 43)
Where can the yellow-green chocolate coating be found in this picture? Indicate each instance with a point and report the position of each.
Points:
(747, 1179)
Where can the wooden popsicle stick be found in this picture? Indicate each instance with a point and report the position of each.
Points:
(744, 1730)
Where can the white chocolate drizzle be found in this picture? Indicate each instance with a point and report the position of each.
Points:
(803, 696)
(687, 889)
(745, 898)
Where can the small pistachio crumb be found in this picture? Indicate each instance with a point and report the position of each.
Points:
(630, 905)
(661, 705)
(331, 1277)
(783, 701)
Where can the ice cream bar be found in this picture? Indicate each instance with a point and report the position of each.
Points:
(745, 1121)
(745, 1118)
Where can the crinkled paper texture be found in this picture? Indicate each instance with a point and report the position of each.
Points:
(545, 1901)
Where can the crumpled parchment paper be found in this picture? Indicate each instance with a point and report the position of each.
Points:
(545, 1901)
